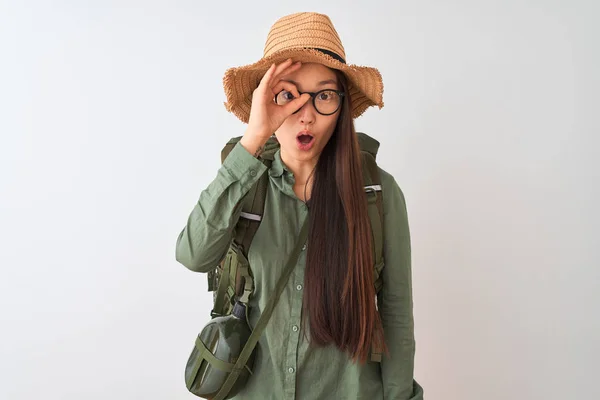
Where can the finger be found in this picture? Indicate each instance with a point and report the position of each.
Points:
(266, 78)
(296, 104)
(284, 70)
(269, 76)
(282, 67)
(285, 85)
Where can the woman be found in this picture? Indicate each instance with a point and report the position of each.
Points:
(319, 338)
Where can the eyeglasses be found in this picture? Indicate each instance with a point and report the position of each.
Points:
(326, 101)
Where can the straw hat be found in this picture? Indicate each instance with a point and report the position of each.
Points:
(306, 37)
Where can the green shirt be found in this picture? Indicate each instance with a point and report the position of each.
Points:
(285, 367)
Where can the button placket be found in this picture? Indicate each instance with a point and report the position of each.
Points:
(294, 335)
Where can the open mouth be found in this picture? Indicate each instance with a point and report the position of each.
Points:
(305, 139)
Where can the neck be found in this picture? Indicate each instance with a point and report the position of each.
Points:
(301, 169)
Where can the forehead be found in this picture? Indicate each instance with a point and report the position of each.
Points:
(310, 75)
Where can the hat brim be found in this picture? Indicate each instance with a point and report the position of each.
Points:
(365, 84)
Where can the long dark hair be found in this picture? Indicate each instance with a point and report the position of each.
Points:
(339, 299)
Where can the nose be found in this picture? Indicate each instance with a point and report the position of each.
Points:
(307, 113)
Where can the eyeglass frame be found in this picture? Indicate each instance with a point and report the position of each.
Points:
(313, 97)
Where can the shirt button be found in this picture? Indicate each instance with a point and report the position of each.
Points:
(299, 287)
(291, 370)
(295, 328)
(252, 172)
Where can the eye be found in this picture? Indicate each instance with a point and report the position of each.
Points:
(284, 97)
(325, 96)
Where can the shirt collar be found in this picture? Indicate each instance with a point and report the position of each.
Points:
(281, 177)
(277, 166)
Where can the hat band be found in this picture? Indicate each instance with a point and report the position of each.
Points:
(332, 54)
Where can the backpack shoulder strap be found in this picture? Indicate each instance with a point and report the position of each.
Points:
(373, 189)
(368, 144)
(232, 277)
(254, 202)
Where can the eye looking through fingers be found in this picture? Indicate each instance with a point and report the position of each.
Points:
(285, 86)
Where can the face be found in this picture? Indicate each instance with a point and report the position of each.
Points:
(310, 77)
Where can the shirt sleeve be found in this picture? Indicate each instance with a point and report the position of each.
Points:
(204, 240)
(395, 300)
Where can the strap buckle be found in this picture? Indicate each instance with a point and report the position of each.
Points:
(371, 192)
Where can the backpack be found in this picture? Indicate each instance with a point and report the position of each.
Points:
(232, 278)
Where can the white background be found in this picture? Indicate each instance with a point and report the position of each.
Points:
(112, 122)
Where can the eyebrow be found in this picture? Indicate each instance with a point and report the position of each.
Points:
(325, 82)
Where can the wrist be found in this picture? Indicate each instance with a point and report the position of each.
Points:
(253, 144)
